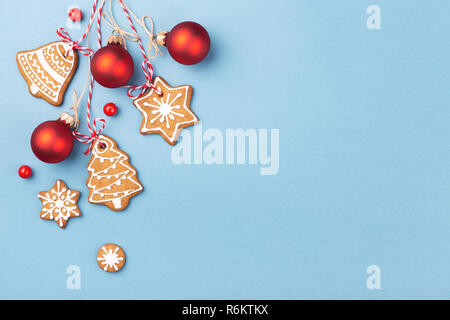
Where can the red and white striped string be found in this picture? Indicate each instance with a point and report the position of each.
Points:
(94, 131)
(146, 67)
(62, 33)
(99, 21)
(146, 64)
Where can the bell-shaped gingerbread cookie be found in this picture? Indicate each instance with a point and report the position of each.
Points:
(48, 70)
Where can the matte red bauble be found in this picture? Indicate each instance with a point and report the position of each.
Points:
(52, 141)
(112, 65)
(188, 42)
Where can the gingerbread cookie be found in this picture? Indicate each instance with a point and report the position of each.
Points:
(112, 179)
(48, 70)
(111, 258)
(59, 204)
(166, 114)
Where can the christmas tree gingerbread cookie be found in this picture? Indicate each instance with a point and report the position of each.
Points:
(48, 70)
(59, 204)
(112, 179)
(166, 114)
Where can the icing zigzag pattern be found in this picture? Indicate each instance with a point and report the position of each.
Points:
(50, 58)
(48, 81)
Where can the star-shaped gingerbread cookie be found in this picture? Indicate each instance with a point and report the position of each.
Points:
(166, 114)
(59, 204)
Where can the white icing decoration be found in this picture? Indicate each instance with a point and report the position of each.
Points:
(110, 259)
(34, 70)
(127, 175)
(34, 88)
(60, 209)
(117, 202)
(47, 67)
(164, 110)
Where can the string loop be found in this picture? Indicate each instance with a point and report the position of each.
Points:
(95, 132)
(74, 45)
(62, 33)
(148, 72)
(94, 129)
(134, 37)
(146, 64)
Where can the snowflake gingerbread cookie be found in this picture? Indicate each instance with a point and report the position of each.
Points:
(111, 257)
(112, 179)
(59, 204)
(48, 70)
(166, 114)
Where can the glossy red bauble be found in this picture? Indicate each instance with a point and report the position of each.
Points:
(112, 66)
(110, 109)
(188, 43)
(52, 141)
(25, 172)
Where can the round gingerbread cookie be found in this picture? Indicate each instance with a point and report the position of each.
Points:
(111, 257)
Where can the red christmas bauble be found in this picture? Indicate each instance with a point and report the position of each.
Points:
(25, 172)
(112, 66)
(110, 109)
(52, 141)
(188, 43)
(75, 15)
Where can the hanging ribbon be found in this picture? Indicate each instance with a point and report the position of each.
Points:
(74, 45)
(62, 33)
(94, 129)
(146, 64)
(152, 44)
(110, 21)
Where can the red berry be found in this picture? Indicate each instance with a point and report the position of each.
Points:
(75, 15)
(110, 109)
(25, 172)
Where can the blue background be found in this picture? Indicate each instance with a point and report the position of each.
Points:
(364, 176)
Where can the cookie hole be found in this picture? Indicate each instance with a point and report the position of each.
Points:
(101, 146)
